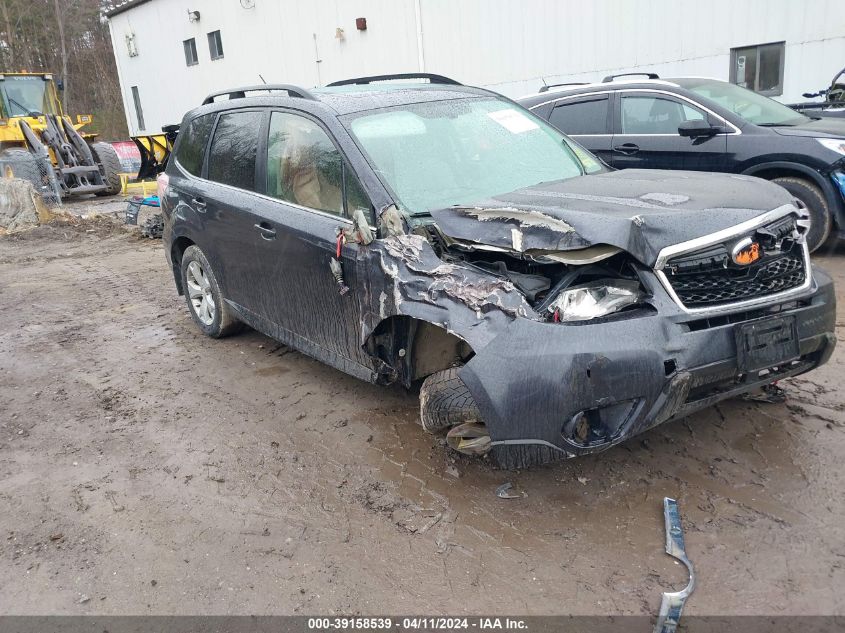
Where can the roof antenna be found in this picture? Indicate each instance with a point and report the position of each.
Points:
(543, 79)
(262, 79)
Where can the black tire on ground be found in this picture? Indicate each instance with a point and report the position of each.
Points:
(105, 154)
(21, 164)
(446, 401)
(223, 322)
(820, 219)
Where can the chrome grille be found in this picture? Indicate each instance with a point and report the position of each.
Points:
(709, 278)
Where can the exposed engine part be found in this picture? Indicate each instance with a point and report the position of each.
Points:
(337, 273)
(470, 438)
(673, 603)
(360, 233)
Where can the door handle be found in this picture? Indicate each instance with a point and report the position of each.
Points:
(267, 231)
(199, 203)
(627, 148)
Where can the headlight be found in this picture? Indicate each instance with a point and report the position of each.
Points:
(836, 144)
(595, 299)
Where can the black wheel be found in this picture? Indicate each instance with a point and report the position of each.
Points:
(106, 156)
(20, 163)
(445, 401)
(205, 302)
(813, 198)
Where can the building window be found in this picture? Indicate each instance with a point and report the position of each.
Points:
(215, 45)
(759, 68)
(139, 113)
(190, 52)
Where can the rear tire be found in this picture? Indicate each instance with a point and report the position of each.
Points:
(109, 162)
(209, 311)
(813, 198)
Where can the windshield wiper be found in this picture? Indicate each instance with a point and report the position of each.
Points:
(776, 124)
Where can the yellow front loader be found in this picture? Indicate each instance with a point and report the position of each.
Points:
(40, 143)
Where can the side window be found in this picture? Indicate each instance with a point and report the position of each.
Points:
(305, 167)
(655, 115)
(192, 141)
(582, 117)
(231, 158)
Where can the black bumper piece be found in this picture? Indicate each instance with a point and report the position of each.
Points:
(580, 389)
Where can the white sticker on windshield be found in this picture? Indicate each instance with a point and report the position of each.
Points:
(513, 121)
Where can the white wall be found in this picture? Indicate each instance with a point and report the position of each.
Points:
(508, 45)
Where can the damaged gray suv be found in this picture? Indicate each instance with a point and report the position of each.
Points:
(408, 229)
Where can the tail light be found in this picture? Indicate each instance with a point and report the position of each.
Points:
(162, 181)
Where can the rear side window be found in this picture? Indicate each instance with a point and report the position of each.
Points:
(582, 117)
(192, 141)
(231, 158)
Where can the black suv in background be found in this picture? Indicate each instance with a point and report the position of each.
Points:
(440, 235)
(706, 125)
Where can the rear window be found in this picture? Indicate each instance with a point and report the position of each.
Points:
(192, 142)
(583, 117)
(231, 158)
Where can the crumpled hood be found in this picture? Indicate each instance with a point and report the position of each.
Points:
(640, 211)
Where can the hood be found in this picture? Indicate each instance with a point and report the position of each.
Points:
(824, 127)
(639, 211)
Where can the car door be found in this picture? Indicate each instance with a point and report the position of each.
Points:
(228, 195)
(310, 193)
(586, 118)
(646, 134)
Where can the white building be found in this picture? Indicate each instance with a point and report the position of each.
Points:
(171, 53)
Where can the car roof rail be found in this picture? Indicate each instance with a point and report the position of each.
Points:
(610, 78)
(362, 81)
(545, 87)
(240, 93)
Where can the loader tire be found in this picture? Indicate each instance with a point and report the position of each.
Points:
(20, 163)
(105, 155)
(445, 401)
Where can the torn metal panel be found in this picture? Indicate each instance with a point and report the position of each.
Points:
(638, 211)
(672, 603)
(409, 279)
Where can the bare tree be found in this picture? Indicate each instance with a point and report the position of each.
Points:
(70, 39)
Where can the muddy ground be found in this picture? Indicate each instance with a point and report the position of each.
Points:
(147, 469)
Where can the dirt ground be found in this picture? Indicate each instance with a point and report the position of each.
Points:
(147, 469)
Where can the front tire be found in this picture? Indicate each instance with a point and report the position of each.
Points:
(109, 162)
(445, 401)
(813, 198)
(209, 311)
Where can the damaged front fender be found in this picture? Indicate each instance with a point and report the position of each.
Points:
(407, 278)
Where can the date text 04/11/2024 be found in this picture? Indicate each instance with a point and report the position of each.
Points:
(417, 624)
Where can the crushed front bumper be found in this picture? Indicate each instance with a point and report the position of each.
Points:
(581, 389)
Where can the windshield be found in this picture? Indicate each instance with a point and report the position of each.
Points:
(442, 153)
(748, 105)
(25, 95)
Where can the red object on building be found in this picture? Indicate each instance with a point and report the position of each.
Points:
(361, 24)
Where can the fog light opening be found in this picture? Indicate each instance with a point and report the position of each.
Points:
(599, 425)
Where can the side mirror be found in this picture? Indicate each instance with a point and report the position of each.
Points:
(60, 85)
(698, 128)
